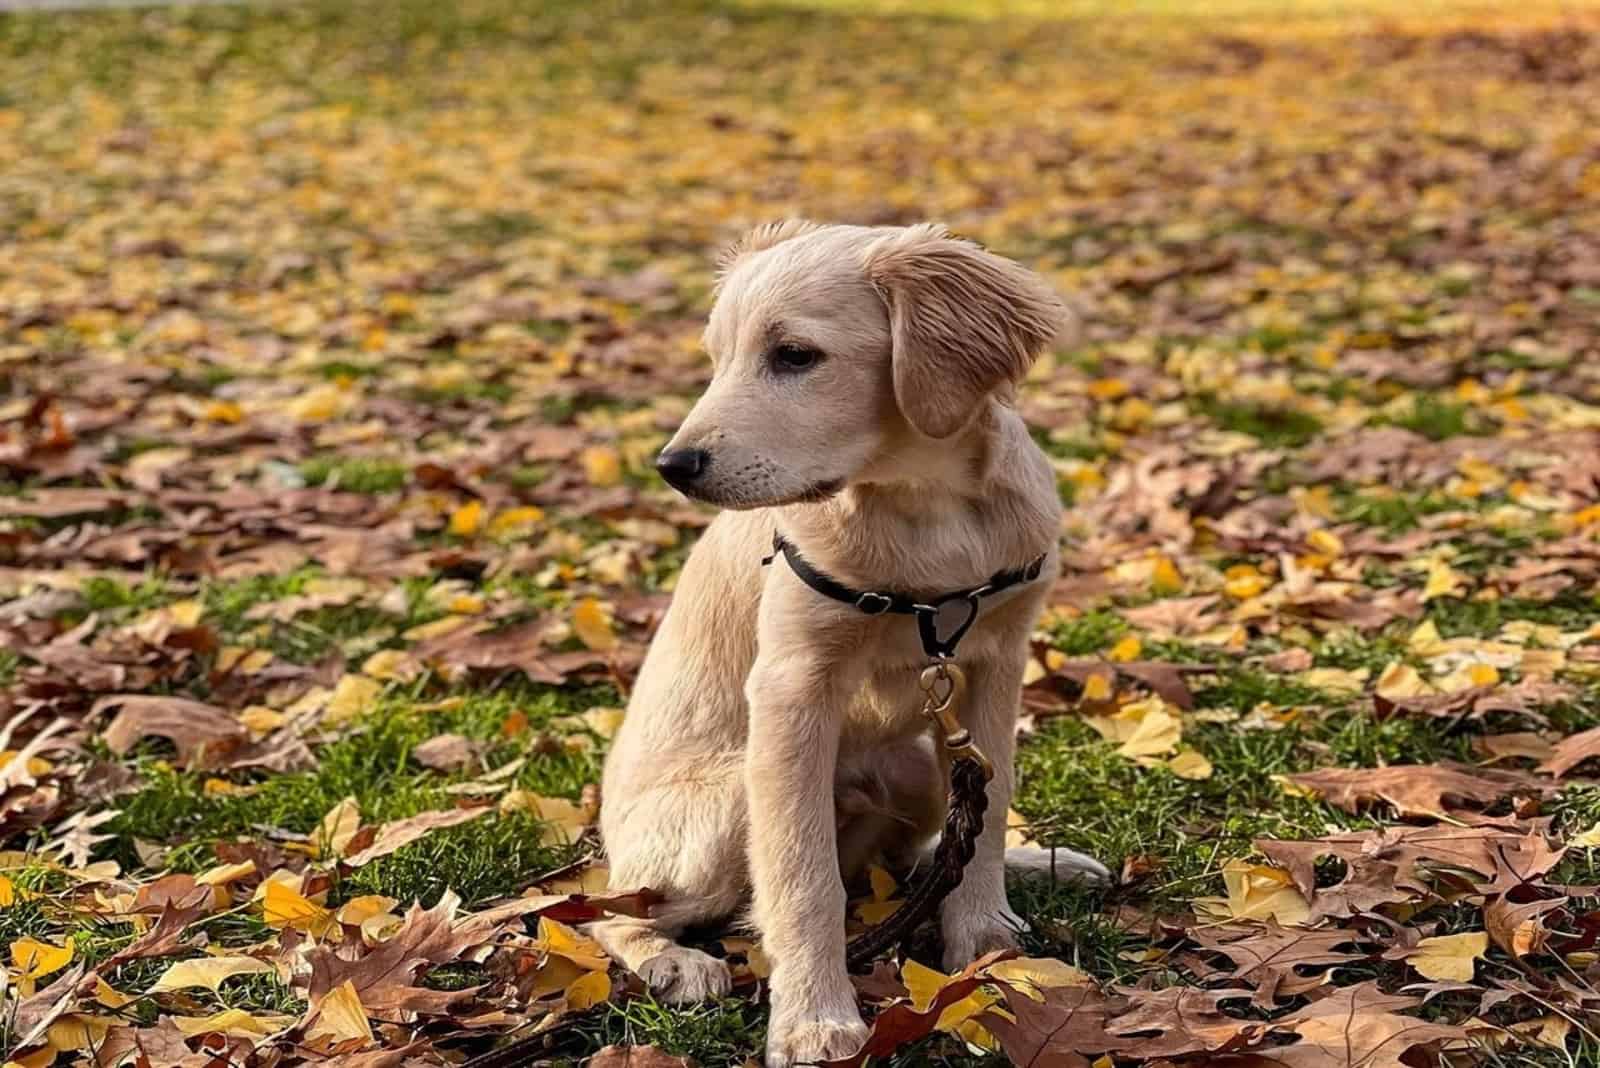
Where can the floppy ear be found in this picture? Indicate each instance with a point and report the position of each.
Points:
(963, 322)
(761, 237)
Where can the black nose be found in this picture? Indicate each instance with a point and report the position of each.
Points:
(680, 467)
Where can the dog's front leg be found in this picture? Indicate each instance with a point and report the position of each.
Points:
(976, 917)
(797, 703)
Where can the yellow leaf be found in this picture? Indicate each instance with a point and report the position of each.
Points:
(222, 411)
(602, 465)
(514, 521)
(358, 910)
(1097, 687)
(1588, 839)
(77, 1032)
(1244, 582)
(389, 664)
(8, 893)
(1255, 892)
(340, 825)
(1126, 649)
(353, 695)
(1034, 975)
(465, 521)
(223, 874)
(1443, 581)
(1325, 542)
(208, 972)
(1400, 681)
(883, 884)
(557, 939)
(234, 1022)
(286, 907)
(588, 990)
(341, 1018)
(564, 822)
(1165, 579)
(604, 721)
(1191, 764)
(320, 404)
(924, 984)
(34, 959)
(591, 621)
(1449, 958)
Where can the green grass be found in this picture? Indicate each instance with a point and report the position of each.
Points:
(355, 474)
(373, 764)
(1437, 419)
(1273, 427)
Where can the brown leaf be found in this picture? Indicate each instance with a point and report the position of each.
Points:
(447, 752)
(1057, 1029)
(1419, 789)
(385, 979)
(1357, 1025)
(1399, 864)
(1518, 929)
(398, 834)
(1179, 1020)
(1572, 751)
(204, 735)
(637, 1057)
(1271, 957)
(900, 1023)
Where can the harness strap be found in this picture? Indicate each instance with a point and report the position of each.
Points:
(926, 611)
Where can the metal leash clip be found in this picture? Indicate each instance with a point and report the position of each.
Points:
(942, 682)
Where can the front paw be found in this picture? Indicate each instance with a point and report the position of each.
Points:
(969, 934)
(814, 1039)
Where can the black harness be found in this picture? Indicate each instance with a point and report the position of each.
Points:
(927, 610)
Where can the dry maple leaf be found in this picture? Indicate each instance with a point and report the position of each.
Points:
(1519, 929)
(385, 978)
(1356, 1027)
(447, 752)
(1180, 1020)
(636, 1057)
(205, 735)
(1271, 956)
(1572, 751)
(1063, 1027)
(398, 834)
(1418, 789)
(1397, 864)
(901, 1023)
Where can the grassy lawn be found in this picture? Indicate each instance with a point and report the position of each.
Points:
(335, 341)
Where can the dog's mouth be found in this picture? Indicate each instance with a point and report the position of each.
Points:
(812, 494)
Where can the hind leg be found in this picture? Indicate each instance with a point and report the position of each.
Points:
(682, 836)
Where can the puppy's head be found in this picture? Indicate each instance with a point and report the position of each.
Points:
(835, 346)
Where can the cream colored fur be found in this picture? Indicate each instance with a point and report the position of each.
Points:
(774, 743)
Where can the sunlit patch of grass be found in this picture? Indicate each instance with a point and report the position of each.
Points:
(1089, 633)
(355, 474)
(1438, 419)
(118, 599)
(1273, 427)
(1569, 610)
(726, 1032)
(373, 765)
(1396, 512)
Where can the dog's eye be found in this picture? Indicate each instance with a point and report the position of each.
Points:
(791, 358)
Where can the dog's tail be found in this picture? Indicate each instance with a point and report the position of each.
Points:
(1054, 862)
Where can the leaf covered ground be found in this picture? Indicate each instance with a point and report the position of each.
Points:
(336, 342)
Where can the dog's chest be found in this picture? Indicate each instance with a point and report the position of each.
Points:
(889, 706)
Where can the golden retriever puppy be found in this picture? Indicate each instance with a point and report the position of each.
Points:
(860, 408)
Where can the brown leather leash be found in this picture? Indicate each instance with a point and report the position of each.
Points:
(970, 771)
